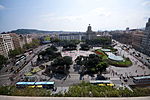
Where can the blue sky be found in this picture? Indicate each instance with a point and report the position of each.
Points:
(73, 15)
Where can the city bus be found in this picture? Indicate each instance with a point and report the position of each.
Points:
(143, 80)
(102, 83)
(46, 85)
(20, 60)
(25, 84)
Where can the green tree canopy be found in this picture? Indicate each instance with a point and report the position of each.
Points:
(3, 61)
(15, 52)
(101, 67)
(85, 47)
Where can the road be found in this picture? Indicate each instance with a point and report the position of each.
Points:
(5, 77)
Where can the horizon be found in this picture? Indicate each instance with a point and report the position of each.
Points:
(74, 15)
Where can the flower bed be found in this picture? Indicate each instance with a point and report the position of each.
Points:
(101, 54)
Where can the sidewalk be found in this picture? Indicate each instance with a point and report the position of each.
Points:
(72, 98)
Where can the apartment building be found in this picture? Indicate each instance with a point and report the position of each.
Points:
(6, 44)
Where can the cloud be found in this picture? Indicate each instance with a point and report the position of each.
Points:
(100, 18)
(1, 7)
(100, 12)
(48, 15)
(146, 3)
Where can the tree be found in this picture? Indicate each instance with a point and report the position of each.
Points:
(53, 48)
(35, 43)
(101, 67)
(84, 47)
(15, 52)
(79, 60)
(67, 60)
(89, 62)
(99, 41)
(3, 61)
(62, 64)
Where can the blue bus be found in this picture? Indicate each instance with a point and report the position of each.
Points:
(45, 85)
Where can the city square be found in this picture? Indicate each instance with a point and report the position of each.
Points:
(68, 49)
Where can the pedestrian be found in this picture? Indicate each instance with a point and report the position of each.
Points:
(69, 76)
(144, 72)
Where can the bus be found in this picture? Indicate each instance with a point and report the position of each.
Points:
(20, 59)
(145, 80)
(25, 84)
(102, 83)
(45, 85)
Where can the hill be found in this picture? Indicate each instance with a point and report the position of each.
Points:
(31, 31)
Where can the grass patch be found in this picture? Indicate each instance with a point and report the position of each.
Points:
(35, 70)
(126, 63)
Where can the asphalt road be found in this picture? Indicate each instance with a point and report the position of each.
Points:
(4, 76)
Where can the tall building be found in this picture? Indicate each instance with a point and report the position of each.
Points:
(25, 39)
(16, 40)
(6, 44)
(145, 46)
(137, 39)
(90, 34)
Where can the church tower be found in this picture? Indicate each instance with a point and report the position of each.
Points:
(89, 29)
(89, 33)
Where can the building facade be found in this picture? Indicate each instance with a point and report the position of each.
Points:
(145, 46)
(137, 39)
(6, 44)
(71, 36)
(16, 40)
(25, 39)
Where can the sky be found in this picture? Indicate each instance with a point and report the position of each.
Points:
(73, 15)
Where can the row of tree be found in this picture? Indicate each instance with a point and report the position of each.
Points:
(99, 42)
(84, 47)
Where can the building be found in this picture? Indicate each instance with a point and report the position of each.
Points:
(145, 45)
(6, 44)
(25, 39)
(90, 34)
(16, 40)
(28, 39)
(70, 36)
(131, 37)
(137, 39)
